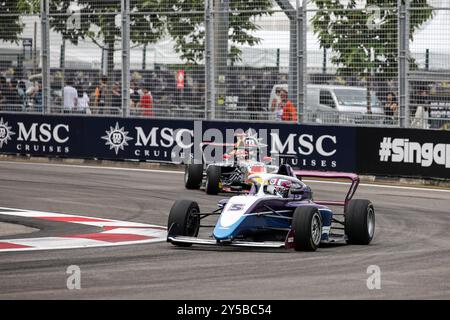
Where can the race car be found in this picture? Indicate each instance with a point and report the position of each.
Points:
(279, 212)
(232, 174)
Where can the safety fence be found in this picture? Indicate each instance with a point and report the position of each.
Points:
(359, 63)
(365, 150)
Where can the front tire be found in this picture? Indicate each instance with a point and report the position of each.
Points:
(213, 174)
(360, 222)
(193, 176)
(307, 226)
(183, 221)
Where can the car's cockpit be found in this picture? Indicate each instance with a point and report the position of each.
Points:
(278, 185)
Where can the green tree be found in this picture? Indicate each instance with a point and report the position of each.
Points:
(185, 24)
(362, 43)
(11, 26)
(151, 20)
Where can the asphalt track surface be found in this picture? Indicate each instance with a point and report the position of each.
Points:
(411, 245)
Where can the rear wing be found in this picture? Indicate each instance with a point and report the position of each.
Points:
(354, 182)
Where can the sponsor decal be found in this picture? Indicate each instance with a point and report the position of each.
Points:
(180, 141)
(401, 150)
(116, 138)
(236, 207)
(182, 145)
(34, 137)
(5, 133)
(306, 150)
(152, 143)
(440, 110)
(43, 138)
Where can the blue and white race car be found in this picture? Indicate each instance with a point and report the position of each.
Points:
(278, 212)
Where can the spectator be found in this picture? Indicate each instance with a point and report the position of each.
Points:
(276, 107)
(116, 98)
(254, 105)
(390, 108)
(83, 101)
(422, 111)
(70, 97)
(21, 90)
(146, 102)
(2, 91)
(100, 94)
(289, 110)
(37, 98)
(135, 97)
(12, 99)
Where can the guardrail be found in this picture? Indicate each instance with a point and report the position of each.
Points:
(364, 150)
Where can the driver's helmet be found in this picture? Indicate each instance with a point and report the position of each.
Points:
(240, 153)
(279, 187)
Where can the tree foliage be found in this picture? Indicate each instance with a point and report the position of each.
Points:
(352, 33)
(11, 26)
(151, 20)
(185, 24)
(96, 20)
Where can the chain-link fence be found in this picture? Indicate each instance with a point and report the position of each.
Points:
(249, 63)
(378, 63)
(352, 63)
(429, 70)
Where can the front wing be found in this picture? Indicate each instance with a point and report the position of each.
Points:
(236, 243)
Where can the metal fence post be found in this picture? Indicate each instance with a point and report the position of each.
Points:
(403, 66)
(221, 25)
(209, 63)
(301, 59)
(291, 13)
(45, 56)
(406, 74)
(125, 58)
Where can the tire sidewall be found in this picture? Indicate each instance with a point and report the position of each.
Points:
(319, 218)
(212, 185)
(357, 217)
(180, 216)
(193, 176)
(302, 225)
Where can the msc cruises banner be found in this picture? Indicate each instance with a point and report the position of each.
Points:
(179, 141)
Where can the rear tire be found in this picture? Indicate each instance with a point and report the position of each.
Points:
(193, 176)
(213, 174)
(182, 222)
(307, 226)
(360, 222)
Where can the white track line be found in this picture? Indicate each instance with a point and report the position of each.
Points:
(91, 167)
(181, 172)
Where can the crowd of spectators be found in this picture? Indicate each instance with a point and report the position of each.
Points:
(419, 113)
(75, 97)
(106, 98)
(16, 96)
(80, 99)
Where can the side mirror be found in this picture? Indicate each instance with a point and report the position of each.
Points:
(222, 203)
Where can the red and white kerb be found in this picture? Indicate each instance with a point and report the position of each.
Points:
(113, 233)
